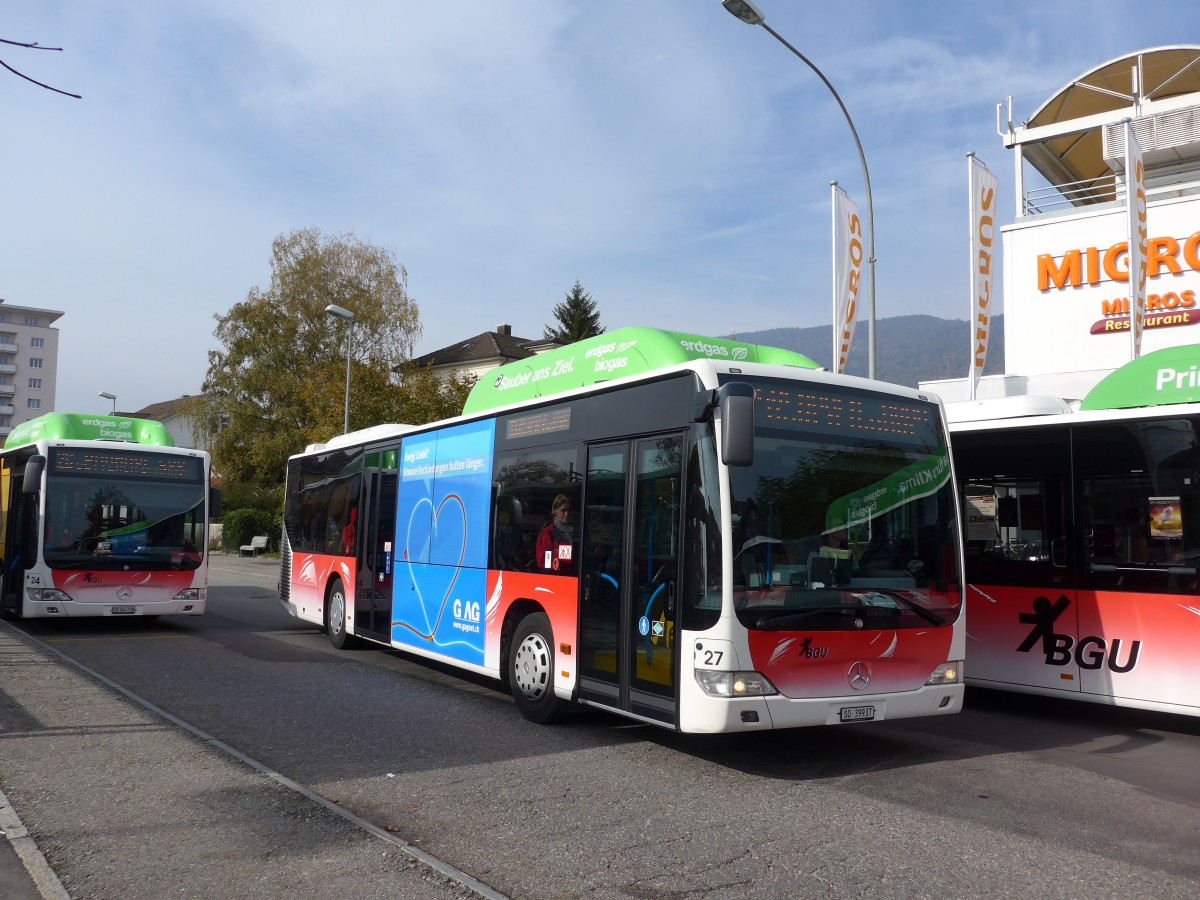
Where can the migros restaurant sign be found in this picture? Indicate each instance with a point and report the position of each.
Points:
(1092, 266)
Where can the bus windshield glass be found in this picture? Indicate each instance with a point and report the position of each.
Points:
(121, 509)
(846, 519)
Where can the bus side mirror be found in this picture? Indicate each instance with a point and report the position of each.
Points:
(32, 482)
(214, 503)
(736, 400)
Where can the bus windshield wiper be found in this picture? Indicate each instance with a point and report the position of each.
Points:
(772, 624)
(929, 616)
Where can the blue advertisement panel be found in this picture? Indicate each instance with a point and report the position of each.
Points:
(414, 512)
(442, 512)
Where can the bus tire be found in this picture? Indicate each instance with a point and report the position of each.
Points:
(335, 617)
(531, 670)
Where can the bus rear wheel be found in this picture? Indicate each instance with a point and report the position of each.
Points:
(531, 670)
(335, 617)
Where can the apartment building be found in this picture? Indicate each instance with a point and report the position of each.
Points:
(28, 363)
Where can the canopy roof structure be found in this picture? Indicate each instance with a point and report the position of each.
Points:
(1075, 136)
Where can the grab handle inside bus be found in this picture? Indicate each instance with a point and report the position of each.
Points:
(32, 483)
(736, 400)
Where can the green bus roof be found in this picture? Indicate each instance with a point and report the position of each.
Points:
(75, 427)
(614, 354)
(1170, 375)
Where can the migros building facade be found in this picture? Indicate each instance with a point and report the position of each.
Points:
(1064, 259)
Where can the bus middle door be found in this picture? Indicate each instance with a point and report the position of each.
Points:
(630, 573)
(373, 591)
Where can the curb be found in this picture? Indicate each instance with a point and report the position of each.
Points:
(39, 870)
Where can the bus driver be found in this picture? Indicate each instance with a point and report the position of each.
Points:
(554, 544)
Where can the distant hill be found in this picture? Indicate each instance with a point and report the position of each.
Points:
(908, 349)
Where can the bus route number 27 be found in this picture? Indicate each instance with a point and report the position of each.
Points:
(710, 654)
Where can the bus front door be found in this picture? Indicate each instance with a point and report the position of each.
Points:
(630, 569)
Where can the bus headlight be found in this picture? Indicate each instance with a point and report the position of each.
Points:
(47, 595)
(191, 594)
(947, 673)
(734, 684)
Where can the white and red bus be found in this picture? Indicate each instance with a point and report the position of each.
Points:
(1083, 538)
(102, 516)
(697, 533)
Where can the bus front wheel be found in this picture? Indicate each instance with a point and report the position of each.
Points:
(531, 670)
(335, 617)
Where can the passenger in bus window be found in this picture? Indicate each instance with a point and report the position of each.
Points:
(555, 543)
(349, 533)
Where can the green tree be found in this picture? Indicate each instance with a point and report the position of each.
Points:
(427, 397)
(577, 317)
(277, 382)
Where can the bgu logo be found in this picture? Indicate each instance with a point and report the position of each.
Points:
(1089, 653)
(808, 651)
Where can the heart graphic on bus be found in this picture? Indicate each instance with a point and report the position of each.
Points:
(432, 579)
(441, 610)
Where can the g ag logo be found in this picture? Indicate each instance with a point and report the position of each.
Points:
(739, 352)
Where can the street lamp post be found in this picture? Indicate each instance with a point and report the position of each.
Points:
(113, 397)
(748, 13)
(343, 313)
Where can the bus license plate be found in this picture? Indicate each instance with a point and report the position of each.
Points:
(856, 713)
(132, 610)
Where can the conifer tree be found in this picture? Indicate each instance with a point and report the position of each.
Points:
(577, 317)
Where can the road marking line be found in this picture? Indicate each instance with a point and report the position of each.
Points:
(131, 637)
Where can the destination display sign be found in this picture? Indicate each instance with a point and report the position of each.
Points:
(812, 407)
(124, 464)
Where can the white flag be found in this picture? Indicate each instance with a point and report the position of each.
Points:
(847, 273)
(1135, 203)
(983, 261)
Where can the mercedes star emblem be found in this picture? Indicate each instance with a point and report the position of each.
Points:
(859, 675)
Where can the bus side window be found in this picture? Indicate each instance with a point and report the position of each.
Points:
(507, 546)
(531, 479)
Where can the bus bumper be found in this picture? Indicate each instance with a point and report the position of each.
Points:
(74, 609)
(706, 715)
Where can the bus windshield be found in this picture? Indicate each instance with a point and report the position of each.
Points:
(846, 519)
(123, 509)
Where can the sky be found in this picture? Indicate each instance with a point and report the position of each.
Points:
(673, 160)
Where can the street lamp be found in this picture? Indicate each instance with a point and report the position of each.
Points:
(343, 313)
(748, 13)
(113, 397)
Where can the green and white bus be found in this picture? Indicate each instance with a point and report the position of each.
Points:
(1083, 538)
(697, 533)
(102, 516)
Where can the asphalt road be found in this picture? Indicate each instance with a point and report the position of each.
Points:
(1016, 796)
